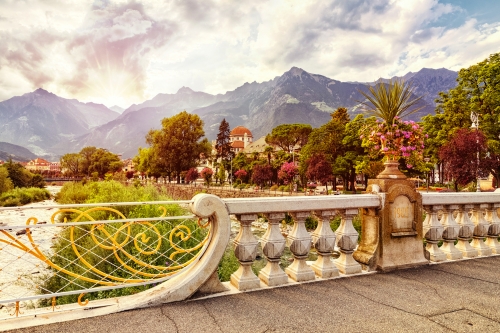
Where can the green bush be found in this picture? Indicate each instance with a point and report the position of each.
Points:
(274, 187)
(23, 196)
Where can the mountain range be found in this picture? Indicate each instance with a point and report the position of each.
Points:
(15, 152)
(50, 126)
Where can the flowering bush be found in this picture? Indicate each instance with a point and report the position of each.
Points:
(192, 175)
(206, 174)
(287, 172)
(401, 139)
(240, 174)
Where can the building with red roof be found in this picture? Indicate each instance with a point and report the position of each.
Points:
(240, 137)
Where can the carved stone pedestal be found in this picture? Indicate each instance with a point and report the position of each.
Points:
(399, 232)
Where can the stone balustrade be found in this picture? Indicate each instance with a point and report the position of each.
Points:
(300, 241)
(468, 219)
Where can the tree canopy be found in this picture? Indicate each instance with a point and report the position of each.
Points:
(90, 160)
(178, 145)
(287, 136)
(477, 90)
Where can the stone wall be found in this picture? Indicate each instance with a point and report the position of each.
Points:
(187, 192)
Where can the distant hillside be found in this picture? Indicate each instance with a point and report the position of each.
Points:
(39, 120)
(17, 153)
(48, 124)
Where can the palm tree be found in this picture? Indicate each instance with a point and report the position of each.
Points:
(269, 150)
(391, 100)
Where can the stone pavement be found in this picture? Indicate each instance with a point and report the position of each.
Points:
(461, 296)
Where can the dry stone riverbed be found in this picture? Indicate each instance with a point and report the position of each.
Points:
(20, 271)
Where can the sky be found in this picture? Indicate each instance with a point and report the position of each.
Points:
(124, 52)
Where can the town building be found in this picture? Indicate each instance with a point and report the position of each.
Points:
(240, 137)
(55, 167)
(38, 164)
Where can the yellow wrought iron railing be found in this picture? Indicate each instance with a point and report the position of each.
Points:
(94, 250)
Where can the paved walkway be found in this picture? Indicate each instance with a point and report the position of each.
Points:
(461, 296)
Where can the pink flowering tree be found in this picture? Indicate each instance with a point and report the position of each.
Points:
(207, 174)
(191, 175)
(287, 172)
(241, 175)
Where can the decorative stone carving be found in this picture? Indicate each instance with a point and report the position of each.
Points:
(299, 242)
(273, 245)
(324, 242)
(494, 230)
(481, 227)
(393, 235)
(433, 232)
(245, 250)
(450, 233)
(347, 240)
(465, 232)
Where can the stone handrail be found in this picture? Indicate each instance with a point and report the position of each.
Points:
(468, 219)
(323, 239)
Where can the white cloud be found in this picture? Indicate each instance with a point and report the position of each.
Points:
(121, 52)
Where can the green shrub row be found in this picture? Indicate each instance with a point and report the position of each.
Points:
(23, 196)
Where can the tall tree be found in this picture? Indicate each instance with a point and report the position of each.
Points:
(223, 143)
(71, 164)
(319, 169)
(86, 159)
(261, 174)
(287, 136)
(478, 90)
(20, 176)
(460, 156)
(103, 161)
(5, 182)
(179, 143)
(223, 148)
(326, 140)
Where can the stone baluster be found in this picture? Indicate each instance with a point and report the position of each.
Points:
(494, 230)
(433, 232)
(450, 233)
(273, 245)
(299, 241)
(347, 240)
(324, 242)
(465, 233)
(481, 227)
(245, 250)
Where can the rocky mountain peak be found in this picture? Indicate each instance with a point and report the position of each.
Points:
(295, 71)
(42, 93)
(185, 91)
